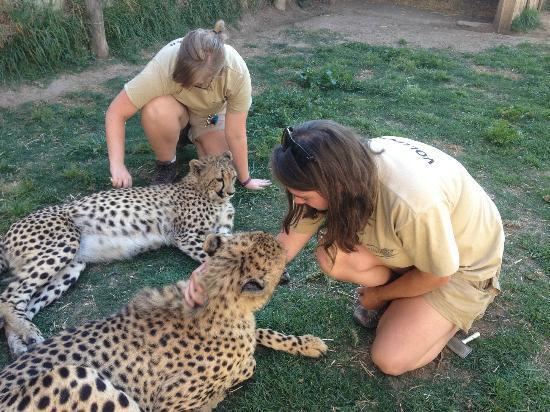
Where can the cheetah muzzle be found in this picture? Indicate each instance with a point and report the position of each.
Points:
(47, 250)
(158, 354)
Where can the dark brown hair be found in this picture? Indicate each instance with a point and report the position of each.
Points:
(202, 53)
(343, 171)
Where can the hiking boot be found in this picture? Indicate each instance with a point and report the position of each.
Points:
(366, 317)
(165, 172)
(184, 138)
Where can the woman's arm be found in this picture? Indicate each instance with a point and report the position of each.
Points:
(410, 284)
(235, 135)
(293, 242)
(120, 110)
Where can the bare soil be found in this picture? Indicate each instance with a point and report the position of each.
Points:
(373, 22)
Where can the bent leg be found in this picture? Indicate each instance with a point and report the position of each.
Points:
(212, 143)
(162, 120)
(410, 334)
(360, 267)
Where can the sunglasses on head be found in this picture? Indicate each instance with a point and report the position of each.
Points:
(300, 154)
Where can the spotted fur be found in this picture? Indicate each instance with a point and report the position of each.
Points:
(47, 250)
(158, 354)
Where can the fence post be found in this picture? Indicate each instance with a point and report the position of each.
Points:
(99, 45)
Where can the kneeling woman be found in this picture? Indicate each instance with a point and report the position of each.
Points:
(403, 220)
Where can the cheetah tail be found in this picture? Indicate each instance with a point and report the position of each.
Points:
(3, 259)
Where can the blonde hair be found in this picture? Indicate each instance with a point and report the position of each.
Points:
(201, 54)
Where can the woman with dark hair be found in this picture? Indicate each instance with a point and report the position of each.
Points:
(196, 88)
(403, 220)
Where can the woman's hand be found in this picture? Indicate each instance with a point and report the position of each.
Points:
(120, 177)
(257, 184)
(194, 294)
(369, 299)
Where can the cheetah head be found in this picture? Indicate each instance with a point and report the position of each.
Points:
(243, 269)
(215, 175)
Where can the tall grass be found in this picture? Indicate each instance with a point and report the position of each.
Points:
(42, 40)
(526, 21)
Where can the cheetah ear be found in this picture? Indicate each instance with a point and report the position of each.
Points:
(213, 243)
(196, 166)
(228, 155)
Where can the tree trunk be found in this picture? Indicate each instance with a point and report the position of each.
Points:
(97, 29)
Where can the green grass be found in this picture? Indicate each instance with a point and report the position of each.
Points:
(43, 41)
(495, 121)
(528, 20)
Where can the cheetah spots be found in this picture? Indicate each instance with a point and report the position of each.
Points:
(85, 392)
(43, 403)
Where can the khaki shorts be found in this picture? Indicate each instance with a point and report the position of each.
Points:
(201, 125)
(463, 301)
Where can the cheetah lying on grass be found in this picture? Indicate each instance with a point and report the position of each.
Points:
(47, 250)
(158, 354)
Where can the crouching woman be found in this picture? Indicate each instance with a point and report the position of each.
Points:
(401, 219)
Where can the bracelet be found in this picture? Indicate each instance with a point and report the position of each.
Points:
(247, 181)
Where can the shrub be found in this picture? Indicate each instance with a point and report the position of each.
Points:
(527, 20)
(501, 133)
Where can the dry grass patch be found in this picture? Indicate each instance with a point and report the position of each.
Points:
(508, 74)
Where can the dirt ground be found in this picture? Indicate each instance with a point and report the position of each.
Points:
(358, 20)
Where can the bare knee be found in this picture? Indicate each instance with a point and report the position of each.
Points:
(164, 111)
(389, 363)
(326, 264)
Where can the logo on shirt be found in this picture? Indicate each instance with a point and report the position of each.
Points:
(382, 252)
(417, 150)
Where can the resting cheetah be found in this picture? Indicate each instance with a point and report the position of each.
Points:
(47, 250)
(159, 354)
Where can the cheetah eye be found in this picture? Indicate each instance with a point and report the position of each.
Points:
(252, 286)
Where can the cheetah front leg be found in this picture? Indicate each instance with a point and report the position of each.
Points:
(191, 243)
(30, 278)
(224, 223)
(305, 345)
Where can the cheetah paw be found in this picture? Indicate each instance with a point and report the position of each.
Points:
(313, 346)
(21, 342)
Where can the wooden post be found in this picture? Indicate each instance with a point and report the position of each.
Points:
(99, 45)
(507, 10)
(280, 4)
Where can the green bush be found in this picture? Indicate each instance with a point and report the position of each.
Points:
(501, 133)
(527, 20)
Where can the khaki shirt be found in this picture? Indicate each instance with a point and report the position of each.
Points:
(430, 214)
(231, 89)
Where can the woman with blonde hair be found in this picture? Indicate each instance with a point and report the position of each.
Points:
(196, 88)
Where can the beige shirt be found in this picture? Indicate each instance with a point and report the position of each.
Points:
(231, 89)
(430, 214)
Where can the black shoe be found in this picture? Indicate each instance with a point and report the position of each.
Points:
(366, 317)
(285, 278)
(165, 172)
(184, 138)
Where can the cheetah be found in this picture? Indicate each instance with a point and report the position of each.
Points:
(47, 250)
(158, 353)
